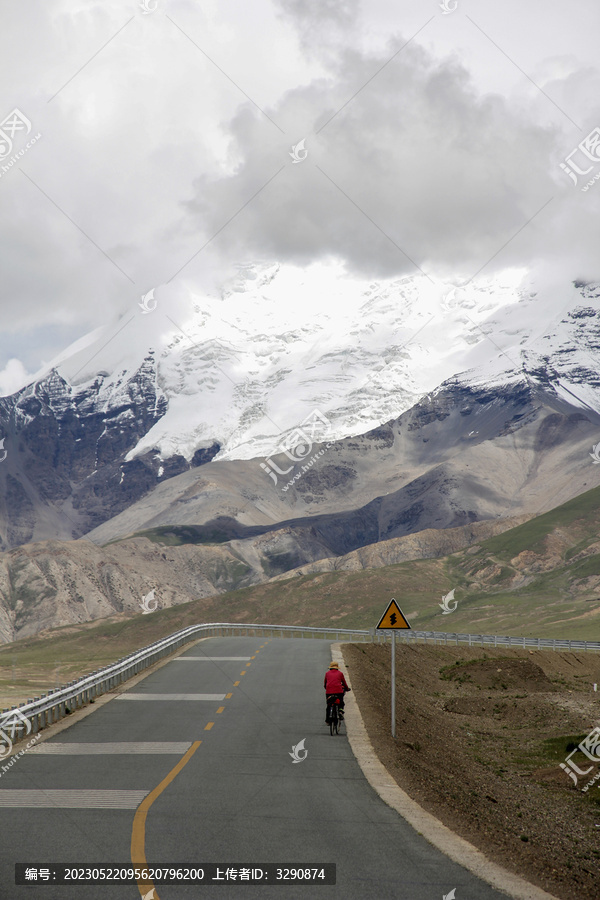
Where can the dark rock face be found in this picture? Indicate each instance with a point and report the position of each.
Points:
(204, 455)
(65, 470)
(325, 479)
(19, 511)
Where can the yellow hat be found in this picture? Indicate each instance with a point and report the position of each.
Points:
(333, 666)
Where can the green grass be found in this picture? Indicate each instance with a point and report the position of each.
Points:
(586, 567)
(584, 509)
(555, 749)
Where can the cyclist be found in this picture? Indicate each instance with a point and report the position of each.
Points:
(335, 686)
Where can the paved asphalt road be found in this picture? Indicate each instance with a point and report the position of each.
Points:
(238, 800)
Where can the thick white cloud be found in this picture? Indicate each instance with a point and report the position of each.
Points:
(418, 168)
(12, 377)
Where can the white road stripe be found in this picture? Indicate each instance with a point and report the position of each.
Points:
(80, 799)
(130, 696)
(51, 748)
(213, 658)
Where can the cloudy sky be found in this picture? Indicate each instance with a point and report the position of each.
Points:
(432, 141)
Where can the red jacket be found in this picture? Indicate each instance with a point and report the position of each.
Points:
(335, 683)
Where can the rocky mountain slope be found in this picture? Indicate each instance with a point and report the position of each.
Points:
(461, 472)
(58, 583)
(55, 583)
(539, 578)
(464, 454)
(65, 468)
(255, 375)
(448, 473)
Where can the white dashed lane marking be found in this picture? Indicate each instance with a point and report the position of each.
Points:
(213, 658)
(169, 697)
(51, 748)
(80, 799)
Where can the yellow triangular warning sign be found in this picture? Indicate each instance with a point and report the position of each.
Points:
(393, 617)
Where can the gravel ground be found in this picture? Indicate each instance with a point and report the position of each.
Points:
(480, 735)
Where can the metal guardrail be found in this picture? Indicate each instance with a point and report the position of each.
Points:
(53, 706)
(496, 640)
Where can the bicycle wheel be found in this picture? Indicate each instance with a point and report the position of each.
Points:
(333, 719)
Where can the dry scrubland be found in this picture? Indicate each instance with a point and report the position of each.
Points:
(480, 735)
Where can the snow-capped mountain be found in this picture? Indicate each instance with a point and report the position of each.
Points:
(242, 368)
(183, 380)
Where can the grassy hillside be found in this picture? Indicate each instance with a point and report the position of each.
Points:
(542, 577)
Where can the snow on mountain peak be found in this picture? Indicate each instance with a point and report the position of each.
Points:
(244, 365)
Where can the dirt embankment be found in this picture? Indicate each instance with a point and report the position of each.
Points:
(480, 736)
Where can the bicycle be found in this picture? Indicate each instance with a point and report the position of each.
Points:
(333, 714)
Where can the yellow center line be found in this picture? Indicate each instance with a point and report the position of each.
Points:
(243, 673)
(209, 726)
(235, 683)
(228, 696)
(138, 831)
(220, 709)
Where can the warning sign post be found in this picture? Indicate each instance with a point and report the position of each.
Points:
(392, 619)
